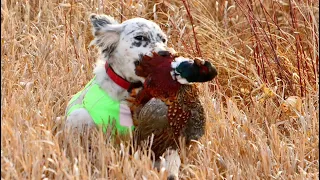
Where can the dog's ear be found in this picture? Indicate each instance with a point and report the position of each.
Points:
(102, 23)
(102, 19)
(106, 31)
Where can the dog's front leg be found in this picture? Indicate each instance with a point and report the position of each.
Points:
(79, 119)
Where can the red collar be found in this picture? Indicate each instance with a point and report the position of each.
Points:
(116, 78)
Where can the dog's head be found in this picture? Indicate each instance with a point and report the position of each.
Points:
(123, 45)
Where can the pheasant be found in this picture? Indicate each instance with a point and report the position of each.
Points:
(166, 108)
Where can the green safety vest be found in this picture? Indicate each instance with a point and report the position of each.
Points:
(104, 111)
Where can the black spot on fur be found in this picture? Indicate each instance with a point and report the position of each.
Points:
(109, 50)
(106, 51)
(130, 32)
(101, 44)
(160, 38)
(146, 43)
(151, 37)
(141, 25)
(97, 23)
(140, 57)
(136, 43)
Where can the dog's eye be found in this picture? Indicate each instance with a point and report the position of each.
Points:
(141, 38)
(164, 40)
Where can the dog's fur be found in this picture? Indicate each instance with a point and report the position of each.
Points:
(121, 45)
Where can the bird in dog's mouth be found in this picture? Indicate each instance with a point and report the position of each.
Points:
(185, 70)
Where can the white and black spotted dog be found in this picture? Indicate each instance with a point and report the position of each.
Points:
(121, 47)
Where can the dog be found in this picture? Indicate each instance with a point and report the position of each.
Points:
(121, 47)
(103, 100)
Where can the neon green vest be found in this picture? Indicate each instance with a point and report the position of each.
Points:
(104, 111)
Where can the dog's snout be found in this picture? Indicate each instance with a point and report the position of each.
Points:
(160, 47)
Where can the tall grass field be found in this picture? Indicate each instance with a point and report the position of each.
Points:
(262, 110)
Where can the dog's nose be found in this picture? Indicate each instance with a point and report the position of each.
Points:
(164, 53)
(167, 52)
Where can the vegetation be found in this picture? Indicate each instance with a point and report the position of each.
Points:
(265, 52)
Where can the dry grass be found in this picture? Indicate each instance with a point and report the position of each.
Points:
(273, 45)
